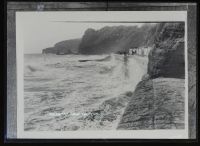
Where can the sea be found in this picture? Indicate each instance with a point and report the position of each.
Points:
(78, 92)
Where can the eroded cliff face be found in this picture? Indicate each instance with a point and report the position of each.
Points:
(114, 39)
(107, 40)
(158, 100)
(156, 104)
(64, 47)
(166, 59)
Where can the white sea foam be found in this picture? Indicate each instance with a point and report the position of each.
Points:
(62, 93)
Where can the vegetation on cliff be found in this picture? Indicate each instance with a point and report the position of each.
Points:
(108, 39)
(115, 38)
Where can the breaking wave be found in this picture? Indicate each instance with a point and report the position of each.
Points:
(30, 68)
(64, 93)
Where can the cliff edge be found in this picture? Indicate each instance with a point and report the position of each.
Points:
(158, 100)
(111, 39)
(64, 47)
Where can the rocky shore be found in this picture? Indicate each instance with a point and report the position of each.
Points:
(158, 100)
(155, 104)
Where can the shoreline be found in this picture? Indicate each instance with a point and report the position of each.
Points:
(155, 104)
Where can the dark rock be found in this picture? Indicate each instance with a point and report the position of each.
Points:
(50, 50)
(156, 104)
(115, 39)
(167, 59)
(64, 47)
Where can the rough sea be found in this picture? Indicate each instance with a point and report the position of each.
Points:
(78, 92)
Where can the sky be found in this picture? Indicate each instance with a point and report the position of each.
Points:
(39, 30)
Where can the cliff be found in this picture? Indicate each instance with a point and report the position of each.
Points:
(166, 59)
(156, 104)
(115, 38)
(64, 47)
(108, 39)
(158, 100)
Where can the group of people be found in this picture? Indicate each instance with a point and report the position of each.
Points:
(131, 52)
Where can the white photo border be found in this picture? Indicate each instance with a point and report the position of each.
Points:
(137, 16)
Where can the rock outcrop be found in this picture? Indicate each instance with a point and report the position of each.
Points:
(64, 47)
(156, 104)
(50, 50)
(115, 38)
(158, 100)
(167, 59)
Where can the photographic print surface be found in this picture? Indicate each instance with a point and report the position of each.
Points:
(93, 71)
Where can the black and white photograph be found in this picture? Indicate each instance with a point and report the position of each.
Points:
(106, 72)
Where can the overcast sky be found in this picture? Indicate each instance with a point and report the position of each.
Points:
(38, 30)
